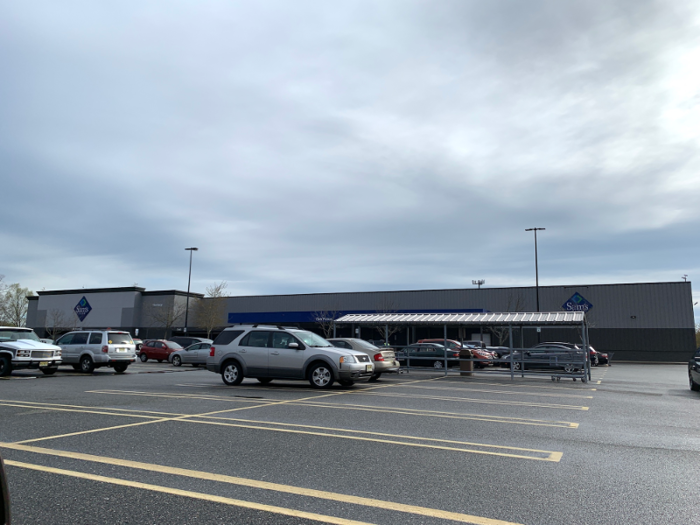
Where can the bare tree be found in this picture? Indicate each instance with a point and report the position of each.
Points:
(166, 315)
(326, 320)
(59, 321)
(14, 305)
(210, 312)
(515, 303)
(385, 330)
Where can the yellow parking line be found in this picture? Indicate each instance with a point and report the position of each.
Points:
(190, 494)
(481, 401)
(510, 393)
(547, 455)
(447, 415)
(288, 489)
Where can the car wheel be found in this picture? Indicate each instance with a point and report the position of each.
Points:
(5, 366)
(265, 380)
(321, 376)
(143, 358)
(177, 360)
(76, 367)
(375, 377)
(516, 365)
(569, 368)
(86, 364)
(48, 371)
(232, 374)
(693, 385)
(346, 382)
(120, 368)
(438, 364)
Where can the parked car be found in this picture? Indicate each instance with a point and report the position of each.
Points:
(158, 349)
(184, 341)
(554, 357)
(694, 371)
(428, 354)
(274, 352)
(4, 496)
(195, 355)
(593, 354)
(20, 348)
(384, 358)
(137, 342)
(484, 356)
(87, 350)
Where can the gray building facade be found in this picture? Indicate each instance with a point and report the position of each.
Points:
(635, 322)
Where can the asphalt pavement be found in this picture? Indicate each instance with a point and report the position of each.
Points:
(166, 445)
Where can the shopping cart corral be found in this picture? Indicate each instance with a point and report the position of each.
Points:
(557, 363)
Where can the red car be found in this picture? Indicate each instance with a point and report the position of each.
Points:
(158, 349)
(484, 356)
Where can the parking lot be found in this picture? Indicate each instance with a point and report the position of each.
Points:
(160, 444)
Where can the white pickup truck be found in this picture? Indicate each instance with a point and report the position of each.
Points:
(21, 348)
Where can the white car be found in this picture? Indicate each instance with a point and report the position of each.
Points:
(20, 348)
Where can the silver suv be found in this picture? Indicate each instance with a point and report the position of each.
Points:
(21, 348)
(275, 352)
(87, 350)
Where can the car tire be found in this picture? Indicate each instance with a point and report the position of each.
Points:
(517, 366)
(177, 360)
(265, 380)
(5, 366)
(120, 368)
(320, 376)
(693, 385)
(569, 368)
(438, 365)
(143, 358)
(86, 364)
(346, 382)
(375, 377)
(231, 374)
(48, 371)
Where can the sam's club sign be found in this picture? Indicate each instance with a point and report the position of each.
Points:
(577, 303)
(82, 309)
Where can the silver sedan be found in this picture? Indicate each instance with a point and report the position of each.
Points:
(384, 359)
(194, 355)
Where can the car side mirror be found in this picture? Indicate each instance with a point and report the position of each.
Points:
(295, 346)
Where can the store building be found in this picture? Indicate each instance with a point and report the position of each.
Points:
(634, 322)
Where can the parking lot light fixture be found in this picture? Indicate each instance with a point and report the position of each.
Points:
(537, 274)
(189, 279)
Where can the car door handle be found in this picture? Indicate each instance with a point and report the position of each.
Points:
(242, 350)
(275, 353)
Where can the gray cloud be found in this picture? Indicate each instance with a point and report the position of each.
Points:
(310, 146)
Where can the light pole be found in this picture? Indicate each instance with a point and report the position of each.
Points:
(479, 282)
(537, 275)
(189, 278)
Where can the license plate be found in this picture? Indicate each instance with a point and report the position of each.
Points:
(369, 368)
(121, 349)
(43, 363)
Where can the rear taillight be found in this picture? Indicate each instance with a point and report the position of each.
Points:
(105, 349)
(378, 357)
(211, 351)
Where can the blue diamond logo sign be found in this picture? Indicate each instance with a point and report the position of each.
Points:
(577, 303)
(82, 309)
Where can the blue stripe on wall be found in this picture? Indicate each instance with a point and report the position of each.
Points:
(310, 317)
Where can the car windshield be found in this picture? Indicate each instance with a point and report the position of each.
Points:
(173, 344)
(311, 339)
(14, 334)
(119, 338)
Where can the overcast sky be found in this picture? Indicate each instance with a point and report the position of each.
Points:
(315, 146)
